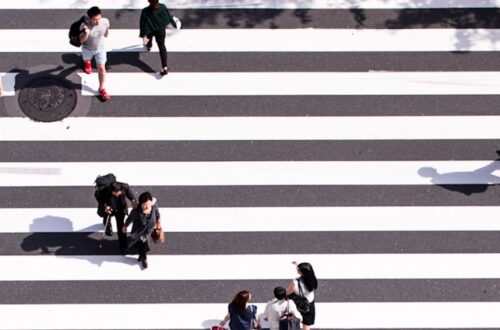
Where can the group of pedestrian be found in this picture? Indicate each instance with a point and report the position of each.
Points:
(242, 315)
(153, 22)
(144, 217)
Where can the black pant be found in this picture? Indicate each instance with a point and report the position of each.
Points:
(120, 221)
(143, 248)
(160, 41)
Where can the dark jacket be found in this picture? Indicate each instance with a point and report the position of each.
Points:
(152, 20)
(141, 225)
(118, 204)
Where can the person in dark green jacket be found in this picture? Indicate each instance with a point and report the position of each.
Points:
(154, 20)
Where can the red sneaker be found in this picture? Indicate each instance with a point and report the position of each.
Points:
(87, 67)
(105, 96)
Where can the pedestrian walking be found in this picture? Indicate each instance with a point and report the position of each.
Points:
(112, 202)
(153, 22)
(144, 219)
(302, 287)
(95, 30)
(278, 307)
(241, 314)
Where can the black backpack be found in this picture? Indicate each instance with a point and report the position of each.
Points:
(75, 31)
(101, 184)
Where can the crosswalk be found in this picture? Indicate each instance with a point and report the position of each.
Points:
(358, 135)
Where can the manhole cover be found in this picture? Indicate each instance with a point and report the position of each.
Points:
(47, 99)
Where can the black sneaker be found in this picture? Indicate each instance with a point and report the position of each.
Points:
(144, 263)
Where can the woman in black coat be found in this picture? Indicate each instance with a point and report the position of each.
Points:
(154, 20)
(144, 218)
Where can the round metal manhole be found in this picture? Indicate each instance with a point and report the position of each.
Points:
(47, 99)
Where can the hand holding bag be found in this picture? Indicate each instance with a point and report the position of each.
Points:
(288, 321)
(158, 235)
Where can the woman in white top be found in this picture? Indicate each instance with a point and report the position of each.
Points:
(277, 307)
(308, 284)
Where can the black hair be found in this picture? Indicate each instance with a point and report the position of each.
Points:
(155, 4)
(144, 197)
(308, 276)
(279, 293)
(115, 186)
(93, 12)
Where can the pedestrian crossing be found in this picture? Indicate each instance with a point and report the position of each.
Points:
(357, 135)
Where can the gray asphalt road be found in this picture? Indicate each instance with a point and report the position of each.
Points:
(202, 243)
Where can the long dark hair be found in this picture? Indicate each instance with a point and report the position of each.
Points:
(240, 301)
(307, 276)
(154, 4)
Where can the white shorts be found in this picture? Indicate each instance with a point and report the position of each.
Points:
(100, 56)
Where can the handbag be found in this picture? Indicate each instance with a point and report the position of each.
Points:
(158, 235)
(303, 305)
(288, 321)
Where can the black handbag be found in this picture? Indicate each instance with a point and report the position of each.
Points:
(288, 321)
(303, 305)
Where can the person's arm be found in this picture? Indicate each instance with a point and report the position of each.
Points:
(85, 34)
(291, 288)
(142, 22)
(157, 212)
(224, 321)
(130, 195)
(129, 220)
(170, 18)
(292, 308)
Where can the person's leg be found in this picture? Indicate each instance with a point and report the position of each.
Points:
(122, 237)
(87, 58)
(100, 59)
(143, 248)
(160, 40)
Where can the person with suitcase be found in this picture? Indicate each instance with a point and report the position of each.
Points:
(112, 202)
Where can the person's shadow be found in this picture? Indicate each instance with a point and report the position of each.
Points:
(467, 183)
(130, 58)
(55, 236)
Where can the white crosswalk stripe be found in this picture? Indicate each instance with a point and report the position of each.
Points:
(413, 235)
(277, 219)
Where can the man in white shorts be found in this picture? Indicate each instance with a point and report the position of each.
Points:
(95, 30)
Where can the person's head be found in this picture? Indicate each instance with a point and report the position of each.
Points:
(94, 13)
(155, 4)
(240, 300)
(145, 202)
(279, 293)
(116, 189)
(306, 272)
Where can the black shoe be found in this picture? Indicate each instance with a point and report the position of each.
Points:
(144, 263)
(164, 71)
(109, 231)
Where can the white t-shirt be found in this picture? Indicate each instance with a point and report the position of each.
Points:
(96, 40)
(276, 308)
(309, 295)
